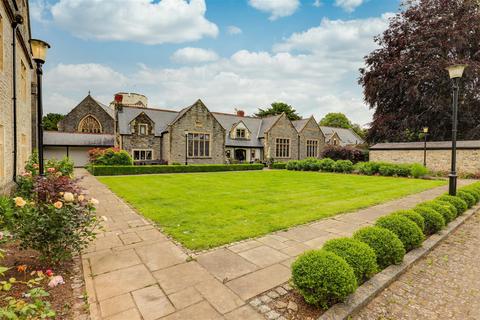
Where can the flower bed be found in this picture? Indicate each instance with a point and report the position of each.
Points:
(41, 230)
(156, 169)
(402, 232)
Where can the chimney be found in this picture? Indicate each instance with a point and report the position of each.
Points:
(240, 113)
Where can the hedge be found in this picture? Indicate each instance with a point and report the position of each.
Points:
(279, 165)
(434, 221)
(467, 197)
(406, 230)
(438, 206)
(458, 202)
(154, 169)
(413, 216)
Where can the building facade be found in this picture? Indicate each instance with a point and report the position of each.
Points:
(16, 122)
(193, 135)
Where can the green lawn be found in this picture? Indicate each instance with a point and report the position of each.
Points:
(204, 210)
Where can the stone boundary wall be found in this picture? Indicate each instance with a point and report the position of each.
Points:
(468, 160)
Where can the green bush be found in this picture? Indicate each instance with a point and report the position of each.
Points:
(388, 248)
(113, 157)
(434, 221)
(6, 212)
(291, 165)
(386, 169)
(155, 169)
(323, 278)
(279, 165)
(367, 168)
(447, 214)
(449, 206)
(357, 254)
(474, 192)
(459, 203)
(406, 230)
(65, 166)
(413, 216)
(327, 165)
(417, 170)
(467, 197)
(344, 166)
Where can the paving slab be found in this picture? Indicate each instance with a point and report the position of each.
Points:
(219, 296)
(152, 303)
(244, 313)
(161, 255)
(122, 281)
(181, 276)
(131, 314)
(116, 305)
(185, 298)
(244, 246)
(107, 261)
(199, 311)
(263, 256)
(259, 281)
(301, 234)
(225, 265)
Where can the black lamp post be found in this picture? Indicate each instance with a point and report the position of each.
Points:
(186, 147)
(455, 72)
(39, 52)
(425, 134)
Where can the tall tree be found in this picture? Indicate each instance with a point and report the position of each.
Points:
(278, 108)
(405, 81)
(50, 121)
(336, 119)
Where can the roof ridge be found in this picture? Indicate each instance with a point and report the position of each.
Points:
(153, 109)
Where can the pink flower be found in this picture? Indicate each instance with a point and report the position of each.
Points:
(51, 170)
(58, 204)
(49, 272)
(55, 281)
(36, 166)
(26, 174)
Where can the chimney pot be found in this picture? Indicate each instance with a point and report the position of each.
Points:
(240, 113)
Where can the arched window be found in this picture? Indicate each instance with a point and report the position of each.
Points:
(89, 124)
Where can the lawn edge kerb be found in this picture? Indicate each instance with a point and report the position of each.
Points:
(375, 285)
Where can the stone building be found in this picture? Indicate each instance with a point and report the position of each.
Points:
(193, 135)
(16, 124)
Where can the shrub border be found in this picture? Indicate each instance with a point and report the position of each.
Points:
(371, 288)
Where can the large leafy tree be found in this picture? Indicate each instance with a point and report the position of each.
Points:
(50, 121)
(278, 108)
(340, 120)
(405, 81)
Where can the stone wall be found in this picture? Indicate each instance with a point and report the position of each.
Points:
(88, 106)
(283, 128)
(196, 119)
(24, 74)
(311, 131)
(468, 160)
(137, 141)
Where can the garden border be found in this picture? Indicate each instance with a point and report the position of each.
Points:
(371, 288)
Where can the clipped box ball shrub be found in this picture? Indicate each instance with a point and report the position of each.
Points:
(323, 278)
(474, 192)
(357, 254)
(413, 216)
(388, 248)
(344, 166)
(447, 214)
(467, 197)
(459, 203)
(449, 206)
(327, 165)
(434, 221)
(405, 229)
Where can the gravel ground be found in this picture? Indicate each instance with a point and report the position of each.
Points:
(443, 285)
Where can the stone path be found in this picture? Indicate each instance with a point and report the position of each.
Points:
(133, 271)
(443, 285)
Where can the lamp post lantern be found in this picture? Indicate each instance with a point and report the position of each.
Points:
(425, 134)
(39, 52)
(186, 147)
(455, 72)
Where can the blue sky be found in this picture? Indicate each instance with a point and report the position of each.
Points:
(229, 53)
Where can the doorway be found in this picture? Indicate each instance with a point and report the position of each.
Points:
(240, 154)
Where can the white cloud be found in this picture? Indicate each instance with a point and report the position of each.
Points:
(276, 8)
(233, 30)
(348, 5)
(194, 55)
(143, 21)
(39, 10)
(316, 71)
(317, 3)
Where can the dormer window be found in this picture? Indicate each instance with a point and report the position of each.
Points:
(241, 133)
(142, 129)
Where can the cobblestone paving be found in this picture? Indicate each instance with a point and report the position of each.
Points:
(443, 285)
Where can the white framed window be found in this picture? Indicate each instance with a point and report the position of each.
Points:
(142, 154)
(198, 145)
(241, 133)
(312, 148)
(142, 129)
(282, 148)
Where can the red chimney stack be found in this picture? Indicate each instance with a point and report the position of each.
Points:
(240, 113)
(118, 98)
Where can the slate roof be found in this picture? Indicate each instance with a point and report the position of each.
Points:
(253, 124)
(107, 109)
(299, 124)
(60, 138)
(162, 118)
(466, 144)
(347, 136)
